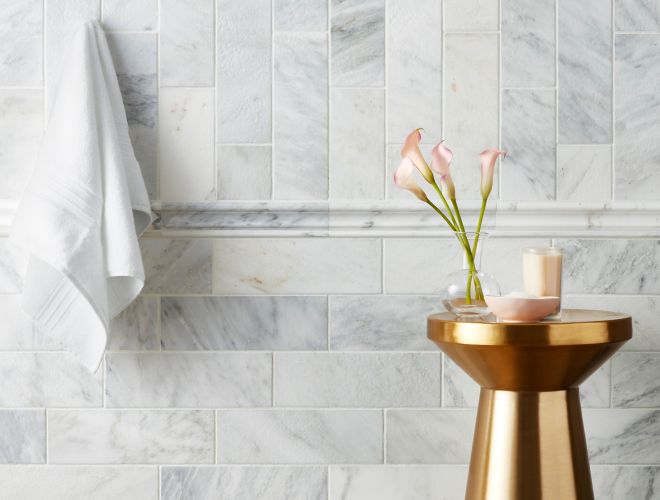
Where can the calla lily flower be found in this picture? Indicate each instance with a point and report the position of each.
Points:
(411, 151)
(448, 188)
(488, 159)
(441, 158)
(403, 179)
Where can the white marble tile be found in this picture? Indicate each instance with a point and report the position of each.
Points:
(13, 263)
(21, 128)
(244, 483)
(299, 436)
(130, 436)
(67, 482)
(296, 266)
(444, 482)
(300, 15)
(393, 160)
(200, 380)
(637, 15)
(136, 328)
(17, 329)
(131, 15)
(244, 172)
(414, 68)
(528, 43)
(584, 172)
(186, 43)
(243, 71)
(244, 323)
(136, 61)
(471, 105)
(300, 116)
(186, 147)
(528, 134)
(429, 436)
(357, 144)
(644, 310)
(622, 436)
(22, 437)
(357, 379)
(21, 43)
(635, 380)
(637, 105)
(625, 482)
(585, 71)
(357, 41)
(381, 322)
(62, 18)
(177, 265)
(47, 379)
(471, 15)
(611, 266)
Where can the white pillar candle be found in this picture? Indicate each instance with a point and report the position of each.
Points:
(542, 269)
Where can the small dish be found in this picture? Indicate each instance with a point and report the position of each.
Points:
(521, 310)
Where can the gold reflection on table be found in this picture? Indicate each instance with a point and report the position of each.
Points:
(529, 439)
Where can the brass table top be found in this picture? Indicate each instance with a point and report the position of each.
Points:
(576, 327)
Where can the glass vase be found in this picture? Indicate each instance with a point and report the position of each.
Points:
(466, 287)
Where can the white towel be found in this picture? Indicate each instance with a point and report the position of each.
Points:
(84, 208)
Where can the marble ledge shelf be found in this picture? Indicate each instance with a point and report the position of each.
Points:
(393, 218)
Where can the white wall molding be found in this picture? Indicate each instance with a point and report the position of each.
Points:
(393, 218)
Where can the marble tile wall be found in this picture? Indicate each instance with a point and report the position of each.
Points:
(297, 368)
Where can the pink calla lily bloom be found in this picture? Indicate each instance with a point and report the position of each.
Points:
(441, 158)
(411, 151)
(403, 179)
(488, 159)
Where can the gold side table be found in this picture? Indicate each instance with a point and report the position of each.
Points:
(529, 441)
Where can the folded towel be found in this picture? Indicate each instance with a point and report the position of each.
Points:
(84, 208)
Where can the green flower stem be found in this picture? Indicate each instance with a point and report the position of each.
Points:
(481, 219)
(434, 207)
(444, 200)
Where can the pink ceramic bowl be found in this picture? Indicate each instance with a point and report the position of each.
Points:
(521, 310)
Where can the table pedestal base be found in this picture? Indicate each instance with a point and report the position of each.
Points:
(529, 446)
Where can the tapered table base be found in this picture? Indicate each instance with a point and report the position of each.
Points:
(529, 441)
(529, 445)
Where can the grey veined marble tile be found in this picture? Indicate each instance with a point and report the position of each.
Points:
(244, 483)
(136, 61)
(243, 71)
(300, 115)
(528, 134)
(381, 322)
(244, 323)
(528, 43)
(22, 437)
(471, 15)
(177, 265)
(188, 379)
(623, 436)
(21, 129)
(244, 172)
(358, 42)
(130, 15)
(21, 43)
(136, 328)
(635, 382)
(130, 436)
(68, 482)
(186, 43)
(637, 106)
(584, 172)
(645, 311)
(357, 379)
(625, 482)
(611, 266)
(47, 379)
(299, 436)
(429, 436)
(414, 68)
(372, 482)
(357, 138)
(637, 15)
(585, 72)
(300, 15)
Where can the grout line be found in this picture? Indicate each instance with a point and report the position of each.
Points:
(272, 98)
(328, 48)
(613, 152)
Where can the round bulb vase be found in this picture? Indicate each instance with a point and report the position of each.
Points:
(466, 287)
